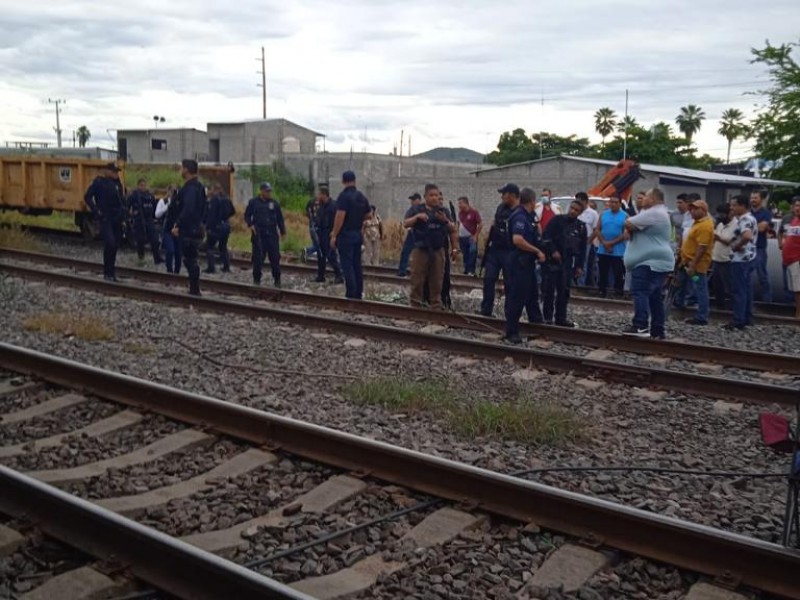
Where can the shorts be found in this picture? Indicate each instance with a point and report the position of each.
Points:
(793, 277)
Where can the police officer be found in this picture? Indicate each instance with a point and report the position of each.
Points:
(522, 288)
(431, 227)
(106, 199)
(352, 207)
(264, 218)
(190, 208)
(499, 247)
(324, 218)
(565, 245)
(142, 207)
(218, 229)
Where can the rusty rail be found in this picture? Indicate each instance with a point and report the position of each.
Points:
(698, 548)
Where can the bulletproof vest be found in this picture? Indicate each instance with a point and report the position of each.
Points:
(265, 213)
(574, 234)
(432, 234)
(500, 231)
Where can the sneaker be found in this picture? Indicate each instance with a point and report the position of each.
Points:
(402, 273)
(195, 293)
(514, 340)
(637, 331)
(695, 322)
(733, 327)
(547, 322)
(570, 324)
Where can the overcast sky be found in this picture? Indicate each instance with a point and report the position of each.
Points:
(448, 73)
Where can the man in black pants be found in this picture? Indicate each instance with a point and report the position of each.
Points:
(565, 243)
(218, 229)
(499, 247)
(106, 199)
(142, 205)
(264, 218)
(191, 209)
(325, 216)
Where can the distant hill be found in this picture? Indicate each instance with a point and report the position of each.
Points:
(459, 155)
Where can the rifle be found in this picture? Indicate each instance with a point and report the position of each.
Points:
(486, 251)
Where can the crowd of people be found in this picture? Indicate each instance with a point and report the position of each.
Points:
(540, 253)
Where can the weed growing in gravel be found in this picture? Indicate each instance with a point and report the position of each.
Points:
(12, 236)
(88, 328)
(522, 419)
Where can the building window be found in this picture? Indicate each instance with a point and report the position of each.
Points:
(158, 144)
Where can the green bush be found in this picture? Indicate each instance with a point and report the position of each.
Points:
(292, 191)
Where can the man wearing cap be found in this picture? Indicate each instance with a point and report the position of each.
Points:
(408, 244)
(696, 258)
(721, 255)
(142, 206)
(498, 247)
(264, 218)
(325, 216)
(352, 208)
(190, 208)
(106, 199)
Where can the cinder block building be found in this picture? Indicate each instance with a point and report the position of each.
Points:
(255, 141)
(162, 145)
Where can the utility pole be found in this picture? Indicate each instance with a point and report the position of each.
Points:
(625, 141)
(57, 102)
(263, 84)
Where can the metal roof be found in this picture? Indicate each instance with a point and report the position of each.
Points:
(277, 120)
(678, 172)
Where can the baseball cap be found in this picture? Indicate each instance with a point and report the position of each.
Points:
(265, 186)
(509, 188)
(415, 196)
(348, 176)
(700, 204)
(112, 167)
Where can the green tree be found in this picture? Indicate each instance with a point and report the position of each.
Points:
(83, 134)
(605, 120)
(689, 120)
(627, 123)
(516, 146)
(731, 127)
(777, 128)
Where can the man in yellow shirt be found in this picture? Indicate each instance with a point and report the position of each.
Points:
(696, 258)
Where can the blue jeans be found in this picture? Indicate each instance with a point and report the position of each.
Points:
(469, 250)
(349, 245)
(172, 252)
(314, 247)
(405, 254)
(700, 288)
(741, 277)
(589, 266)
(648, 302)
(762, 275)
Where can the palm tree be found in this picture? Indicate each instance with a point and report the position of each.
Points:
(605, 120)
(731, 126)
(626, 124)
(83, 134)
(661, 129)
(689, 121)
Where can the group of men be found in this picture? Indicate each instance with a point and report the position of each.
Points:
(185, 215)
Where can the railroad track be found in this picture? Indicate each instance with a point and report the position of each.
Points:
(743, 359)
(766, 312)
(449, 500)
(610, 370)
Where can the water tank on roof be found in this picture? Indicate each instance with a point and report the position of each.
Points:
(291, 145)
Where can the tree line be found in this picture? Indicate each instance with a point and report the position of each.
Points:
(775, 129)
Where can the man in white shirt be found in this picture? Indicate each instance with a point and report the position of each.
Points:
(590, 218)
(721, 255)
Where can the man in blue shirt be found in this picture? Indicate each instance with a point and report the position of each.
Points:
(763, 217)
(611, 247)
(523, 291)
(352, 207)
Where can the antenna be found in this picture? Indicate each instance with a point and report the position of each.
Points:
(625, 141)
(263, 84)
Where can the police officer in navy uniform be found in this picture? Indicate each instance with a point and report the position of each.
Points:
(565, 242)
(142, 207)
(324, 218)
(499, 248)
(106, 199)
(264, 218)
(190, 208)
(523, 291)
(218, 229)
(352, 207)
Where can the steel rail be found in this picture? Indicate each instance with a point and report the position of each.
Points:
(686, 545)
(690, 383)
(744, 359)
(162, 561)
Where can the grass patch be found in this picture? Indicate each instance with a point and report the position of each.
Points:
(84, 327)
(63, 220)
(138, 349)
(13, 236)
(521, 419)
(296, 239)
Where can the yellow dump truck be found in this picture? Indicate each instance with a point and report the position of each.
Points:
(38, 186)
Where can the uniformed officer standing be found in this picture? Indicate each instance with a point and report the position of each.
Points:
(218, 229)
(565, 243)
(190, 208)
(431, 227)
(142, 207)
(324, 218)
(264, 218)
(523, 291)
(352, 207)
(499, 247)
(106, 199)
